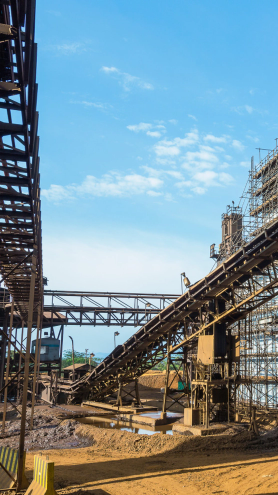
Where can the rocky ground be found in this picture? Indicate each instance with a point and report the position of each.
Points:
(96, 461)
(52, 428)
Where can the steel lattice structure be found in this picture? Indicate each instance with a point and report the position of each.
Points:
(20, 216)
(103, 308)
(258, 350)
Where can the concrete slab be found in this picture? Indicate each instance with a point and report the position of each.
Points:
(151, 420)
(121, 409)
(198, 430)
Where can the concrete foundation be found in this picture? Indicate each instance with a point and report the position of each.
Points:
(199, 430)
(150, 420)
(121, 409)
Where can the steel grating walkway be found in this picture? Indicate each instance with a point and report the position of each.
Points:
(234, 287)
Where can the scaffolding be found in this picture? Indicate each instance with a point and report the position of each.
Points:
(257, 210)
(258, 333)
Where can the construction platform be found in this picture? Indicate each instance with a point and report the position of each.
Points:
(121, 409)
(150, 419)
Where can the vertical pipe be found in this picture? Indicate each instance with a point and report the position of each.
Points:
(164, 405)
(61, 351)
(8, 367)
(26, 371)
(207, 405)
(35, 370)
(3, 350)
(39, 357)
(19, 362)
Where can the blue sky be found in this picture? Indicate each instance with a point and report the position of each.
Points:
(149, 114)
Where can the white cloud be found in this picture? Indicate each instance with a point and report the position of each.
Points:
(224, 165)
(173, 121)
(109, 70)
(199, 190)
(154, 172)
(192, 117)
(255, 139)
(202, 180)
(155, 134)
(243, 109)
(57, 193)
(68, 48)
(249, 109)
(87, 104)
(208, 177)
(165, 161)
(237, 145)
(173, 147)
(162, 150)
(225, 178)
(112, 184)
(215, 139)
(245, 164)
(143, 126)
(205, 158)
(175, 174)
(154, 193)
(126, 80)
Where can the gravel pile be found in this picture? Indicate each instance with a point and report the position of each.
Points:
(48, 433)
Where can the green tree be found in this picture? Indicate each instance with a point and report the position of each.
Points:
(79, 357)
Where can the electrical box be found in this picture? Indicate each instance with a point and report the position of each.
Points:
(205, 352)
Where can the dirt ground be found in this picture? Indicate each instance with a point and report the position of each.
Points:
(86, 471)
(120, 463)
(96, 461)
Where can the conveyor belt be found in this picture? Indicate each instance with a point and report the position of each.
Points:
(234, 283)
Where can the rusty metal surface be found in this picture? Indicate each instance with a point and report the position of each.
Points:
(20, 216)
(103, 308)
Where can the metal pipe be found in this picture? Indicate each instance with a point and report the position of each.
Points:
(39, 324)
(73, 368)
(8, 367)
(26, 371)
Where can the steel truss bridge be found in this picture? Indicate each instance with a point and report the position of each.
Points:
(222, 298)
(103, 308)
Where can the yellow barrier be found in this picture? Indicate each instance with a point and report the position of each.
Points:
(8, 468)
(43, 477)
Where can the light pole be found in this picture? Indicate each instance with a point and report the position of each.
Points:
(72, 349)
(182, 275)
(115, 335)
(185, 280)
(86, 350)
(90, 357)
(147, 305)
